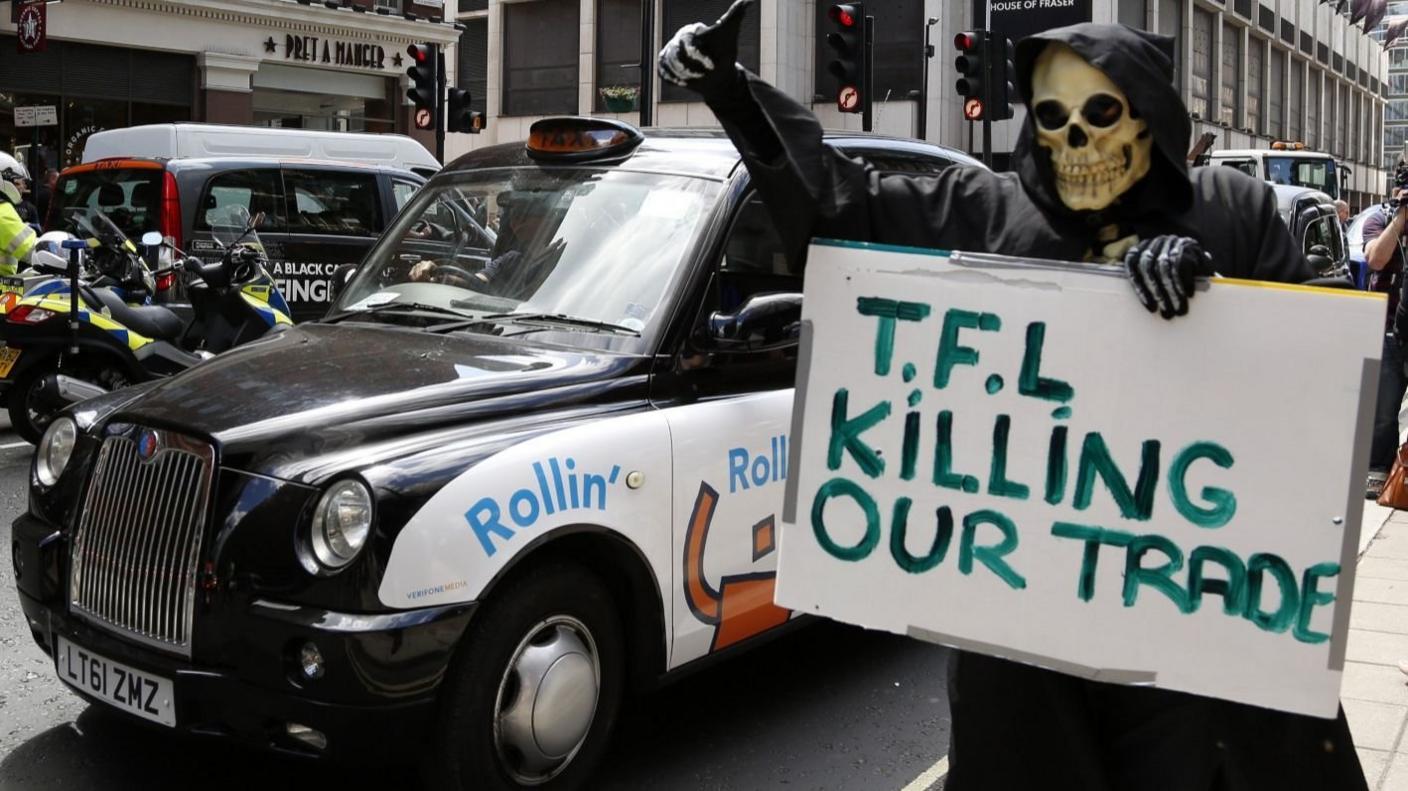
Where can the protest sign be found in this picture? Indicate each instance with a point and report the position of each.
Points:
(1013, 457)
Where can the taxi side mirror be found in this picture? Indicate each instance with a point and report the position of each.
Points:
(762, 322)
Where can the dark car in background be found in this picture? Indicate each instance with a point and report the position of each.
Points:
(1315, 225)
(319, 216)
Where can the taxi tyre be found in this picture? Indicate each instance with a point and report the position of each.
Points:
(467, 752)
(17, 401)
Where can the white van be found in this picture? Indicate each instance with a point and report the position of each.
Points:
(1291, 165)
(182, 141)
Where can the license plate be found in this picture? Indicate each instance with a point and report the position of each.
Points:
(9, 355)
(143, 694)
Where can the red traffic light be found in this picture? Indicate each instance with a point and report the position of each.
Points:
(843, 15)
(965, 41)
(973, 109)
(420, 53)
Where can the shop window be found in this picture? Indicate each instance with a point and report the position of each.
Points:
(231, 195)
(899, 45)
(540, 57)
(678, 13)
(146, 113)
(83, 117)
(332, 203)
(617, 55)
(474, 62)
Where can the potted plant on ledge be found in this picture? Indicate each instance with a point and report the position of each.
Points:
(620, 98)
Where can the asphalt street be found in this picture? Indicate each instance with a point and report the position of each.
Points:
(825, 708)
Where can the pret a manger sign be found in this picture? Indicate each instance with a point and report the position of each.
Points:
(1015, 458)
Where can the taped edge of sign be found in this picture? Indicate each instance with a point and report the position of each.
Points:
(1354, 511)
(799, 399)
(1103, 674)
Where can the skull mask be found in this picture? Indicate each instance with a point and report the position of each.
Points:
(1099, 147)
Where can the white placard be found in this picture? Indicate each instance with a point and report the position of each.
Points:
(1064, 468)
(38, 115)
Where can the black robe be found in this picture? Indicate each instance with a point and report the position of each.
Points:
(1015, 726)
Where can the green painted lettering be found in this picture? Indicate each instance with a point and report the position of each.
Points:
(998, 485)
(840, 487)
(992, 556)
(1310, 598)
(1285, 614)
(1233, 590)
(1095, 461)
(887, 311)
(845, 435)
(1160, 577)
(1223, 503)
(1031, 382)
(1093, 538)
(951, 353)
(1056, 466)
(899, 530)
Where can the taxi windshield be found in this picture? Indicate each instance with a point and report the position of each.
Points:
(593, 249)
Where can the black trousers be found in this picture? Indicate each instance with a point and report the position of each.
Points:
(1017, 727)
(1391, 386)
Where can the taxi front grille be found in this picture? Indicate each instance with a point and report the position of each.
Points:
(138, 539)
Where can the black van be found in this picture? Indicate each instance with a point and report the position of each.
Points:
(318, 215)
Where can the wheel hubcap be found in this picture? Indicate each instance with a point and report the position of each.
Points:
(547, 700)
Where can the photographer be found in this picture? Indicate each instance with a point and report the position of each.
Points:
(1384, 252)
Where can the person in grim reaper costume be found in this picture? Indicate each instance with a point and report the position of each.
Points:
(1100, 175)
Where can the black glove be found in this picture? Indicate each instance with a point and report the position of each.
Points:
(1162, 271)
(702, 57)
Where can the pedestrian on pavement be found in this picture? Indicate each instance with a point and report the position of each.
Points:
(45, 193)
(1384, 238)
(1151, 212)
(17, 239)
(1342, 209)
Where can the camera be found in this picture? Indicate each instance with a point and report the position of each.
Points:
(1400, 182)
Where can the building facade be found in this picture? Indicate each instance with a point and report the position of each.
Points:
(290, 63)
(1250, 71)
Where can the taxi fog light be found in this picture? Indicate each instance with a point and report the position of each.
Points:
(310, 661)
(310, 736)
(55, 449)
(341, 523)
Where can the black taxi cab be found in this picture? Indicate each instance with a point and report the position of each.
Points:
(532, 460)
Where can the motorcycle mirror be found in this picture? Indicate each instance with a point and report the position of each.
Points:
(151, 239)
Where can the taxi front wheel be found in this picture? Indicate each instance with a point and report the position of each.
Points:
(535, 686)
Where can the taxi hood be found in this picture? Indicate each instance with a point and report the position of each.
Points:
(317, 389)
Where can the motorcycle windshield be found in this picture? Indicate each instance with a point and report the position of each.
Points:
(233, 229)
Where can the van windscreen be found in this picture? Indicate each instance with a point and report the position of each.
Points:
(130, 197)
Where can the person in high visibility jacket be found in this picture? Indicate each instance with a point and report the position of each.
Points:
(17, 239)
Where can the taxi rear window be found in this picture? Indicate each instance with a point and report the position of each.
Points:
(131, 197)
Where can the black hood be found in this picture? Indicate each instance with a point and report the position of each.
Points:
(1141, 64)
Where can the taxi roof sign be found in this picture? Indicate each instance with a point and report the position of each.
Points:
(578, 138)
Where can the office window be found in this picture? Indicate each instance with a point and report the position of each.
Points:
(1394, 138)
(1256, 84)
(678, 13)
(1276, 94)
(1134, 13)
(1201, 92)
(1397, 84)
(899, 44)
(1355, 147)
(473, 72)
(540, 57)
(1230, 104)
(1312, 110)
(617, 55)
(1333, 136)
(1295, 110)
(1171, 24)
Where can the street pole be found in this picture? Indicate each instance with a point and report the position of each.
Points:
(865, 90)
(441, 84)
(987, 83)
(922, 128)
(647, 60)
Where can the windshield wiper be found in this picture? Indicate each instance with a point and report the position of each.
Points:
(387, 307)
(562, 319)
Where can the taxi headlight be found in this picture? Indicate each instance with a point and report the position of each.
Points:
(341, 523)
(55, 449)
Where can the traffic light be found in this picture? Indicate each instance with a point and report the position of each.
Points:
(425, 83)
(848, 41)
(972, 67)
(1004, 93)
(459, 118)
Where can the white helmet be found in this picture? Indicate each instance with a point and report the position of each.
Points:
(11, 171)
(53, 241)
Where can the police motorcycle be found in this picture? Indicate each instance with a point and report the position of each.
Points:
(68, 340)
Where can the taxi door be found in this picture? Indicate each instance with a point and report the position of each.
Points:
(729, 423)
(333, 217)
